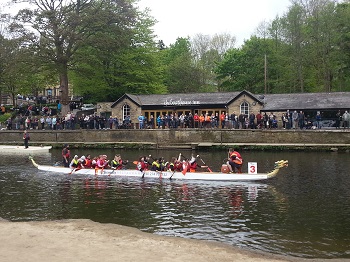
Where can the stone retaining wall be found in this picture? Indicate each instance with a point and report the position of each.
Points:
(180, 137)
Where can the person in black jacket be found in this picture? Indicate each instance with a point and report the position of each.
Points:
(26, 138)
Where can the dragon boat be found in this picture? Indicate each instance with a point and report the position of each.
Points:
(209, 176)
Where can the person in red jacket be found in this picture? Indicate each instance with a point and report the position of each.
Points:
(87, 163)
(141, 164)
(66, 155)
(235, 161)
(193, 165)
(196, 120)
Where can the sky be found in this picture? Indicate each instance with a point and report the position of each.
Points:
(239, 18)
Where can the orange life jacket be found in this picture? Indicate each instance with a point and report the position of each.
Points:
(236, 159)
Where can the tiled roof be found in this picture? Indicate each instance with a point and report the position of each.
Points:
(306, 101)
(204, 98)
(273, 102)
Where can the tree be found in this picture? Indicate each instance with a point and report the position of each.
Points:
(132, 68)
(244, 68)
(64, 26)
(18, 68)
(207, 51)
(181, 74)
(342, 23)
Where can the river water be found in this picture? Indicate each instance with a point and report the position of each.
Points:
(303, 212)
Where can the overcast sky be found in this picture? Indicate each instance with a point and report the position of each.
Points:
(240, 18)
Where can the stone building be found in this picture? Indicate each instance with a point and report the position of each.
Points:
(242, 102)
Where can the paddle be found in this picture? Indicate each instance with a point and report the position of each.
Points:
(71, 172)
(184, 167)
(184, 164)
(172, 175)
(205, 164)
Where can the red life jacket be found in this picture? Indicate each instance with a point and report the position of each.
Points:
(141, 166)
(88, 163)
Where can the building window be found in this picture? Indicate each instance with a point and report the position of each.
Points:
(245, 108)
(126, 111)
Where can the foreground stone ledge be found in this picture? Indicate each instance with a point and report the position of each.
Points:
(84, 240)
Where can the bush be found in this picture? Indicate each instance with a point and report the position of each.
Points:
(4, 117)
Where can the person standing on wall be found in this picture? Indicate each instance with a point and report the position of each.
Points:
(26, 138)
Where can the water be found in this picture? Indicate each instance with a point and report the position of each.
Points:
(303, 212)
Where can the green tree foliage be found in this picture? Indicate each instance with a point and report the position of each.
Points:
(106, 48)
(342, 46)
(70, 31)
(181, 75)
(134, 67)
(306, 51)
(244, 68)
(18, 69)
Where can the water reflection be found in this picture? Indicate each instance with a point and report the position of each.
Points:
(302, 212)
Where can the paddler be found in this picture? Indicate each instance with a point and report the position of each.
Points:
(75, 163)
(117, 163)
(88, 162)
(156, 165)
(142, 164)
(101, 163)
(193, 165)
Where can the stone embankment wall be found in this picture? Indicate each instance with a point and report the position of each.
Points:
(190, 138)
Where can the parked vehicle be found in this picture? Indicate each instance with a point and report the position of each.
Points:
(88, 107)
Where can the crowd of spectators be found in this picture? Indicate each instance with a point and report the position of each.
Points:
(45, 118)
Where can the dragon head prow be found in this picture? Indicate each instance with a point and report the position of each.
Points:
(281, 163)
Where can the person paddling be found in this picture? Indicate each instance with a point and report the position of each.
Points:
(88, 162)
(142, 164)
(193, 165)
(101, 163)
(75, 163)
(117, 163)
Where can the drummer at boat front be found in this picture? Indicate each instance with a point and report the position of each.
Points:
(235, 161)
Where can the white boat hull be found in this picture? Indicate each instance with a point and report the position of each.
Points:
(212, 176)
